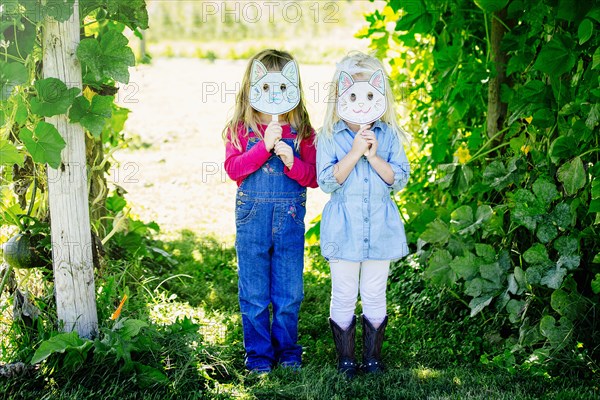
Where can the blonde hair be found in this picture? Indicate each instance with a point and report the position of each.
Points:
(360, 66)
(243, 112)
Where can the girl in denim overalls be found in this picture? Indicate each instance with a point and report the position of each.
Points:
(272, 163)
(361, 229)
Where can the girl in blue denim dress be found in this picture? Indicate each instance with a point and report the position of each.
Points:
(272, 163)
(361, 228)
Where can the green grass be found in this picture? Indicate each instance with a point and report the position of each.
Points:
(432, 351)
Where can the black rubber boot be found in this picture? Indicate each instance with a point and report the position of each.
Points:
(344, 344)
(372, 342)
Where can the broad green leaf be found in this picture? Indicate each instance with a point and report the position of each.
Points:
(479, 303)
(556, 56)
(593, 116)
(568, 305)
(60, 10)
(53, 97)
(493, 273)
(561, 215)
(485, 251)
(570, 262)
(465, 266)
(596, 284)
(527, 209)
(596, 188)
(515, 308)
(537, 254)
(22, 112)
(107, 56)
(596, 58)
(496, 175)
(572, 176)
(546, 232)
(491, 6)
(11, 75)
(566, 245)
(436, 232)
(563, 147)
(20, 37)
(9, 154)
(585, 30)
(149, 376)
(132, 13)
(462, 217)
(554, 277)
(92, 116)
(46, 145)
(115, 203)
(439, 270)
(520, 278)
(545, 190)
(129, 328)
(557, 334)
(59, 344)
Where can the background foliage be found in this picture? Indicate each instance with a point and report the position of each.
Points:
(506, 218)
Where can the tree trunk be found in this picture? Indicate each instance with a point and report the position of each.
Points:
(496, 108)
(67, 189)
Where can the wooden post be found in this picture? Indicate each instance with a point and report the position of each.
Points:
(67, 190)
(496, 108)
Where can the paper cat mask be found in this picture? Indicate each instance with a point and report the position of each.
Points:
(361, 102)
(274, 93)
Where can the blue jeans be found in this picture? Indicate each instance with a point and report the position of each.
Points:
(270, 210)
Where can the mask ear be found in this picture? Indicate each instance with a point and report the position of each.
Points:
(344, 83)
(258, 72)
(378, 81)
(290, 71)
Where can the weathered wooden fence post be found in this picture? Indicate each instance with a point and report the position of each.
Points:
(67, 189)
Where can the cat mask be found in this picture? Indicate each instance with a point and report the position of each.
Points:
(361, 102)
(274, 93)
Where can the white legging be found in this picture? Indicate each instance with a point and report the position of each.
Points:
(345, 277)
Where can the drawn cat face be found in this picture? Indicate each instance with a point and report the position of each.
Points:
(361, 102)
(274, 93)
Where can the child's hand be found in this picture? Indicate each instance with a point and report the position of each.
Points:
(272, 134)
(371, 139)
(286, 153)
(360, 145)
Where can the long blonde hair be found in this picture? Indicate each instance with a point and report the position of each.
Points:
(243, 112)
(360, 66)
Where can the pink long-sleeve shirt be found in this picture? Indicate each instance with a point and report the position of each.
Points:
(239, 164)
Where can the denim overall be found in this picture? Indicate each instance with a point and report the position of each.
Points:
(269, 213)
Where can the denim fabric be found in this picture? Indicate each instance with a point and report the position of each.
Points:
(270, 210)
(361, 221)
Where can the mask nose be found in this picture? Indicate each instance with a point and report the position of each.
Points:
(361, 104)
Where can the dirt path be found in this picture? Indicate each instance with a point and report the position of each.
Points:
(179, 107)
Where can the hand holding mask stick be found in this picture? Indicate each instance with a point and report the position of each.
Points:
(362, 102)
(274, 92)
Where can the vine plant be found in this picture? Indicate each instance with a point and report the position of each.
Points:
(505, 212)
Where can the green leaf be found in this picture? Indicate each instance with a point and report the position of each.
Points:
(149, 376)
(92, 116)
(520, 278)
(596, 284)
(585, 30)
(492, 272)
(567, 304)
(21, 37)
(545, 190)
(59, 344)
(132, 13)
(491, 5)
(556, 56)
(546, 232)
(563, 147)
(485, 251)
(107, 56)
(515, 308)
(557, 334)
(570, 262)
(9, 154)
(60, 10)
(554, 277)
(53, 97)
(46, 145)
(479, 303)
(572, 176)
(527, 209)
(115, 203)
(561, 215)
(462, 217)
(537, 254)
(439, 270)
(596, 58)
(11, 75)
(436, 232)
(465, 266)
(496, 175)
(129, 328)
(566, 245)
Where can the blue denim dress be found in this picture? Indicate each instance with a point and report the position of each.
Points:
(361, 221)
(269, 213)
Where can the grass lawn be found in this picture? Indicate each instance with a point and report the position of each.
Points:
(430, 352)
